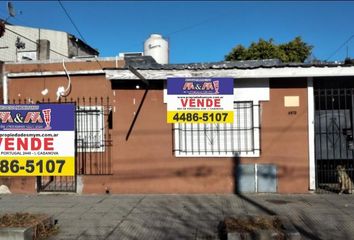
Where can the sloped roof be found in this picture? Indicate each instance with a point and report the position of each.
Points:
(270, 68)
(148, 63)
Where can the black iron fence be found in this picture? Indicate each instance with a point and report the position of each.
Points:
(56, 184)
(333, 136)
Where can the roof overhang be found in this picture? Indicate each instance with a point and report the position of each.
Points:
(283, 72)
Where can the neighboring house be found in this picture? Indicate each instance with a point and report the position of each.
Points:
(21, 43)
(293, 126)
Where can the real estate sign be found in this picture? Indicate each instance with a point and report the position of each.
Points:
(200, 100)
(37, 140)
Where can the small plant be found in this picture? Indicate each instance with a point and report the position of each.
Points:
(42, 227)
(251, 225)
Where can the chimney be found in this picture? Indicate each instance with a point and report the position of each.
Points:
(43, 47)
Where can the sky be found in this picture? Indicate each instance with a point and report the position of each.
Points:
(197, 31)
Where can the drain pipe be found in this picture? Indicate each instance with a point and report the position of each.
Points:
(4, 89)
(4, 85)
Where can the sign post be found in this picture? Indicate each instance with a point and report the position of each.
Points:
(37, 140)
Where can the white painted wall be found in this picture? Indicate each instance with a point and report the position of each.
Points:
(311, 133)
(58, 42)
(256, 89)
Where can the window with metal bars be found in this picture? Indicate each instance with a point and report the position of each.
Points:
(240, 138)
(94, 142)
(90, 129)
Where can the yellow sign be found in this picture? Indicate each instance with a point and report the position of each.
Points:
(200, 117)
(37, 166)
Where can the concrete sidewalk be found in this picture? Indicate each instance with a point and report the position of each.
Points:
(183, 216)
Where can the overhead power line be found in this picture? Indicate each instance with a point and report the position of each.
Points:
(72, 21)
(187, 27)
(340, 47)
(194, 25)
(77, 29)
(214, 16)
(28, 39)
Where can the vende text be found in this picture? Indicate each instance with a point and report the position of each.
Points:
(200, 102)
(18, 144)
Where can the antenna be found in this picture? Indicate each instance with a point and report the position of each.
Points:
(11, 9)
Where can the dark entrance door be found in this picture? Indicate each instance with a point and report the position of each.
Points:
(334, 121)
(93, 145)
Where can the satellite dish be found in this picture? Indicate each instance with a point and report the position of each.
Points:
(11, 9)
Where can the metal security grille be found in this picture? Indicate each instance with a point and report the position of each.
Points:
(218, 139)
(56, 184)
(333, 135)
(93, 122)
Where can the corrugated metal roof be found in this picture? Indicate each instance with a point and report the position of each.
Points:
(148, 63)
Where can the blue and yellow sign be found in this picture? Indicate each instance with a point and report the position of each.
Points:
(200, 100)
(37, 140)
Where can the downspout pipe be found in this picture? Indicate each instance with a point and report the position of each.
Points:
(4, 85)
(136, 73)
(4, 88)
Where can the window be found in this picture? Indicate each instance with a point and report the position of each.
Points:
(221, 140)
(90, 129)
(93, 137)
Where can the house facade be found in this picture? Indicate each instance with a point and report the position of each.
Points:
(293, 125)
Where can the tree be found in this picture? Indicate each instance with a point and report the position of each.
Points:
(2, 28)
(293, 51)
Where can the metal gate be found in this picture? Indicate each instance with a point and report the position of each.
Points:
(334, 122)
(56, 184)
(93, 145)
